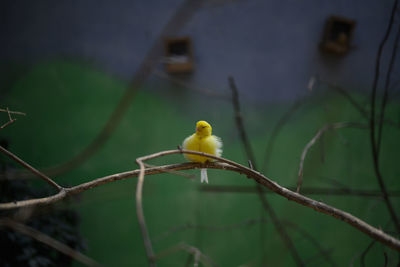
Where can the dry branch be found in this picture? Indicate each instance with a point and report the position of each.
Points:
(12, 112)
(30, 168)
(10, 120)
(197, 254)
(374, 141)
(140, 215)
(252, 162)
(226, 164)
(313, 240)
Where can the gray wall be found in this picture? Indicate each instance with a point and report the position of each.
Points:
(270, 47)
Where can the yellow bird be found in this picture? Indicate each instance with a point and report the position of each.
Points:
(203, 141)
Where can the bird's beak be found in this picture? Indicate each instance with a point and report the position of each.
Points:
(197, 129)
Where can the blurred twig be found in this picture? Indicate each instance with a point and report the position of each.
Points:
(314, 241)
(12, 112)
(198, 256)
(386, 90)
(250, 156)
(30, 168)
(315, 138)
(374, 141)
(140, 215)
(363, 111)
(365, 252)
(45, 239)
(10, 120)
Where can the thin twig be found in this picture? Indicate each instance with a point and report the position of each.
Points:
(314, 139)
(239, 122)
(374, 146)
(386, 90)
(10, 120)
(250, 156)
(352, 101)
(197, 254)
(51, 242)
(140, 214)
(365, 252)
(7, 123)
(318, 206)
(30, 168)
(364, 112)
(12, 112)
(314, 241)
(385, 256)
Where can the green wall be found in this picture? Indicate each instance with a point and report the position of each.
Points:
(67, 104)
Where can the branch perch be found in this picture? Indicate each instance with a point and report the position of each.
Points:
(223, 164)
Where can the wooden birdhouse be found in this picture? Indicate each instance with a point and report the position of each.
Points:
(178, 55)
(338, 34)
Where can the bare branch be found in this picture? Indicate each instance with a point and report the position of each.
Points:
(386, 90)
(385, 258)
(7, 123)
(10, 120)
(250, 156)
(363, 111)
(12, 112)
(140, 214)
(324, 252)
(239, 122)
(315, 138)
(51, 242)
(198, 255)
(374, 141)
(318, 206)
(365, 252)
(30, 168)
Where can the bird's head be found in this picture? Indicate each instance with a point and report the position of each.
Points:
(203, 129)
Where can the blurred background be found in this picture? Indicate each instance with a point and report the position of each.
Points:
(103, 83)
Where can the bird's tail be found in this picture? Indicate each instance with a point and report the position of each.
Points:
(204, 177)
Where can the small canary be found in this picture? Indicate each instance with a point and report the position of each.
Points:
(203, 141)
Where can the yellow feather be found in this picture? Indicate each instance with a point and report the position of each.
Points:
(202, 141)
